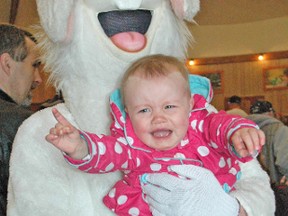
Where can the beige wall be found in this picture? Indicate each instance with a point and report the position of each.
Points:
(229, 40)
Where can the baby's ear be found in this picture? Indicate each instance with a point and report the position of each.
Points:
(185, 9)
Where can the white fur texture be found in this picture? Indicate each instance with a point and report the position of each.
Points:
(253, 190)
(43, 181)
(87, 66)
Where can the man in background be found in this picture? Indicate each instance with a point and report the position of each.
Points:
(274, 155)
(234, 106)
(19, 75)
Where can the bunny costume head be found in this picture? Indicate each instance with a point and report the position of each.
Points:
(89, 44)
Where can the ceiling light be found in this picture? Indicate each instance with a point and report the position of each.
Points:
(191, 62)
(261, 57)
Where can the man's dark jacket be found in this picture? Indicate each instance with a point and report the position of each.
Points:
(11, 117)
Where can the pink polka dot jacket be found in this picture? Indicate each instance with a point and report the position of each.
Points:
(206, 144)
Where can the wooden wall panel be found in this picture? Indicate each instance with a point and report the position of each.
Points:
(245, 79)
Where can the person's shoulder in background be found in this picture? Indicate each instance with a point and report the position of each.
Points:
(237, 111)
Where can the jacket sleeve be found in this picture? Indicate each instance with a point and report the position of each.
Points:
(10, 120)
(253, 190)
(106, 154)
(280, 150)
(219, 127)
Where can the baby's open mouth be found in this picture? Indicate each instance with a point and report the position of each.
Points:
(161, 133)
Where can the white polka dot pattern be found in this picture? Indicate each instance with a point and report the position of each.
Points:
(200, 127)
(125, 165)
(155, 167)
(218, 130)
(122, 119)
(117, 148)
(102, 148)
(117, 125)
(184, 142)
(134, 211)
(127, 171)
(193, 124)
(233, 171)
(129, 154)
(213, 145)
(229, 162)
(222, 162)
(180, 155)
(138, 162)
(112, 193)
(122, 200)
(130, 140)
(203, 151)
(109, 167)
(122, 140)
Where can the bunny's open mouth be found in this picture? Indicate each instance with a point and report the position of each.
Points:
(126, 28)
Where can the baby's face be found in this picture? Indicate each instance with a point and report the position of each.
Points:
(159, 109)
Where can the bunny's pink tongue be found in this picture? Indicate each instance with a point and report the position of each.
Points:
(129, 41)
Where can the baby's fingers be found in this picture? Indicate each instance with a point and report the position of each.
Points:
(60, 118)
(51, 138)
(61, 130)
(257, 138)
(251, 140)
(239, 147)
(248, 140)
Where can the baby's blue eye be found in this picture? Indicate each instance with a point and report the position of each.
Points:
(144, 110)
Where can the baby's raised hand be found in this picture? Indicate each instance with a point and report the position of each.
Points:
(66, 137)
(248, 141)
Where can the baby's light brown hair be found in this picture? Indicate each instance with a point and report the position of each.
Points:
(153, 66)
